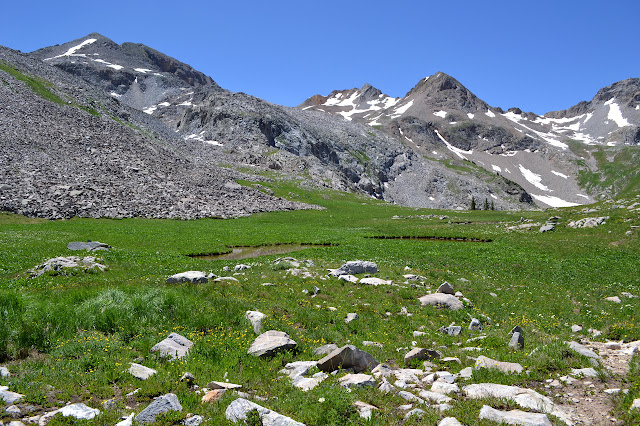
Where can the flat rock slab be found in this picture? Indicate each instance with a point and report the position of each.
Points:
(514, 417)
(161, 404)
(238, 409)
(88, 245)
(443, 300)
(444, 388)
(505, 367)
(140, 371)
(222, 385)
(307, 383)
(298, 368)
(356, 267)
(79, 411)
(347, 357)
(583, 350)
(9, 397)
(174, 346)
(357, 380)
(196, 277)
(375, 281)
(270, 342)
(59, 263)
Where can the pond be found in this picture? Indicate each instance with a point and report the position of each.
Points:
(239, 253)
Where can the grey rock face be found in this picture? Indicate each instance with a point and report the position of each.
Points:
(441, 300)
(514, 417)
(270, 342)
(356, 267)
(161, 404)
(347, 357)
(89, 245)
(174, 346)
(238, 409)
(196, 277)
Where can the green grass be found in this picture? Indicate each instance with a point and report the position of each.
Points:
(39, 86)
(618, 171)
(78, 331)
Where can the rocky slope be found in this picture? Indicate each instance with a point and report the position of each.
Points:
(68, 150)
(440, 118)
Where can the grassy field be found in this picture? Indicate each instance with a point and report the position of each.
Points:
(71, 336)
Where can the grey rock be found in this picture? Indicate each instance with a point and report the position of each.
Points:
(585, 372)
(4, 372)
(238, 409)
(444, 388)
(416, 412)
(452, 330)
(365, 410)
(79, 411)
(325, 349)
(449, 421)
(255, 318)
(635, 405)
(614, 299)
(298, 368)
(241, 267)
(356, 267)
(421, 354)
(350, 317)
(13, 411)
(375, 281)
(9, 397)
(188, 378)
(506, 367)
(141, 372)
(547, 227)
(434, 397)
(347, 357)
(193, 421)
(174, 346)
(583, 350)
(516, 329)
(516, 417)
(446, 288)
(447, 301)
(58, 264)
(588, 222)
(162, 404)
(223, 385)
(517, 341)
(195, 277)
(89, 245)
(475, 325)
(357, 380)
(270, 342)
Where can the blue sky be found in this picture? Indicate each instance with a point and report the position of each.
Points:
(537, 55)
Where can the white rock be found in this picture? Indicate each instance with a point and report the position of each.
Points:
(128, 421)
(449, 421)
(140, 371)
(448, 301)
(514, 417)
(255, 318)
(174, 346)
(635, 405)
(365, 410)
(506, 367)
(270, 342)
(9, 397)
(357, 380)
(614, 299)
(583, 350)
(4, 372)
(348, 278)
(238, 409)
(435, 397)
(350, 317)
(375, 281)
(188, 277)
(444, 388)
(79, 411)
(586, 372)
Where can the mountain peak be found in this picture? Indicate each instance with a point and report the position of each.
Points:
(440, 90)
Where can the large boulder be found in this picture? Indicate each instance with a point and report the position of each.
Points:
(196, 277)
(174, 346)
(238, 410)
(443, 300)
(9, 397)
(356, 267)
(347, 357)
(140, 371)
(514, 417)
(161, 404)
(270, 342)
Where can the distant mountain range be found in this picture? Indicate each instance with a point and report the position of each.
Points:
(173, 142)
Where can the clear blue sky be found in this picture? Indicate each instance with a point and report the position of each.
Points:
(537, 55)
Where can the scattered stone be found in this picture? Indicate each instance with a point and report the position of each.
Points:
(451, 359)
(255, 318)
(223, 279)
(475, 325)
(614, 299)
(325, 349)
(241, 267)
(514, 417)
(9, 397)
(188, 378)
(347, 357)
(466, 373)
(449, 421)
(195, 277)
(416, 412)
(370, 343)
(355, 267)
(298, 368)
(408, 396)
(505, 367)
(375, 281)
(444, 388)
(635, 405)
(238, 409)
(421, 354)
(89, 245)
(4, 372)
(493, 294)
(614, 391)
(193, 421)
(434, 397)
(584, 372)
(576, 328)
(79, 411)
(223, 385)
(547, 227)
(307, 383)
(14, 411)
(441, 300)
(452, 330)
(213, 395)
(162, 404)
(588, 222)
(583, 350)
(140, 371)
(349, 278)
(517, 341)
(365, 410)
(386, 387)
(382, 370)
(350, 317)
(270, 342)
(57, 264)
(174, 346)
(446, 288)
(418, 333)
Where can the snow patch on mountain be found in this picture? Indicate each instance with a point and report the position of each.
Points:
(615, 113)
(533, 178)
(200, 138)
(72, 51)
(496, 168)
(553, 201)
(490, 113)
(459, 152)
(401, 110)
(562, 175)
(441, 114)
